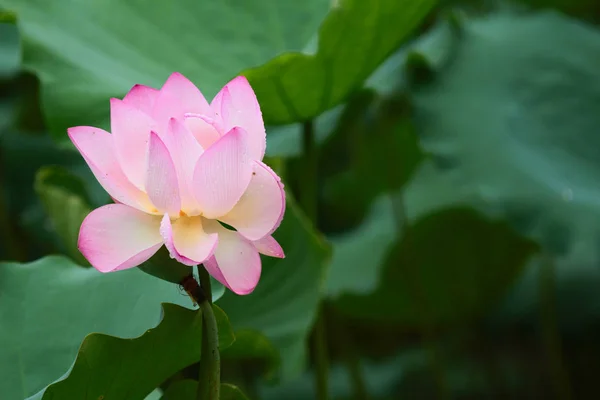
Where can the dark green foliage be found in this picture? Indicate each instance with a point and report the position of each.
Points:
(455, 248)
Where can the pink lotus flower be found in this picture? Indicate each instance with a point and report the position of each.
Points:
(176, 167)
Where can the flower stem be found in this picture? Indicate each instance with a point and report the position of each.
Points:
(419, 297)
(395, 116)
(10, 237)
(309, 202)
(308, 196)
(321, 357)
(550, 329)
(209, 376)
(346, 347)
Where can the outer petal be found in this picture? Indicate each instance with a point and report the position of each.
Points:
(185, 152)
(177, 97)
(236, 105)
(269, 247)
(236, 263)
(186, 240)
(97, 148)
(115, 237)
(222, 174)
(141, 97)
(203, 129)
(260, 209)
(162, 185)
(131, 132)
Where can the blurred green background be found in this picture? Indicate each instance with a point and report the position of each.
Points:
(442, 160)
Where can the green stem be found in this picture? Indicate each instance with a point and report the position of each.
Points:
(308, 194)
(209, 376)
(394, 114)
(359, 387)
(550, 332)
(321, 357)
(13, 243)
(309, 201)
(205, 283)
(420, 299)
(346, 347)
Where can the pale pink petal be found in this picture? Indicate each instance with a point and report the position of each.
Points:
(189, 95)
(203, 129)
(186, 240)
(260, 209)
(216, 105)
(269, 247)
(222, 174)
(213, 269)
(131, 132)
(236, 262)
(116, 237)
(141, 97)
(98, 149)
(177, 97)
(236, 105)
(162, 185)
(185, 152)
